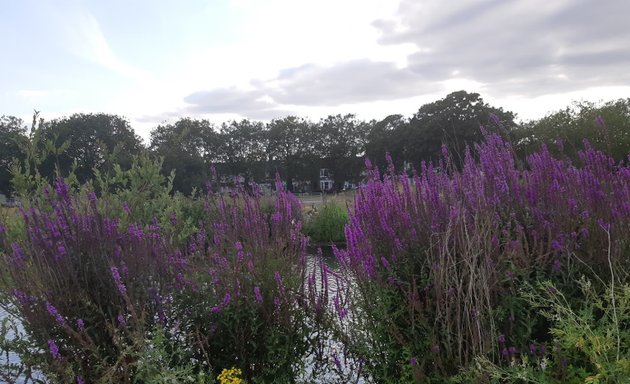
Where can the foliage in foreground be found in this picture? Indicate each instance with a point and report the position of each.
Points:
(589, 340)
(103, 298)
(435, 262)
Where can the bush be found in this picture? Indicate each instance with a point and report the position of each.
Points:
(326, 226)
(106, 299)
(436, 261)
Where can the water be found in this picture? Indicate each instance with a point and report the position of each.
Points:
(12, 371)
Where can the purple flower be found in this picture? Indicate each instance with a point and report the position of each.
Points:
(385, 262)
(600, 122)
(80, 380)
(226, 299)
(61, 188)
(54, 313)
(258, 295)
(54, 350)
(80, 325)
(501, 339)
(276, 275)
(121, 320)
(413, 361)
(557, 266)
(116, 275)
(495, 119)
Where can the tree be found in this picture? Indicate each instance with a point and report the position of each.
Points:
(184, 146)
(290, 144)
(93, 141)
(340, 142)
(606, 127)
(13, 141)
(386, 136)
(454, 121)
(244, 150)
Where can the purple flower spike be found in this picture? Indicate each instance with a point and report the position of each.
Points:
(54, 313)
(501, 339)
(258, 295)
(54, 350)
(413, 361)
(116, 275)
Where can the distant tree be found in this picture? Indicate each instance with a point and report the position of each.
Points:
(244, 149)
(454, 121)
(93, 141)
(185, 147)
(386, 136)
(290, 146)
(13, 141)
(340, 142)
(606, 126)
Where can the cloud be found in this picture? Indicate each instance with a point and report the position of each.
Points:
(254, 104)
(519, 48)
(525, 47)
(313, 85)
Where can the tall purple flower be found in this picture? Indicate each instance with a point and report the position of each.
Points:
(54, 313)
(258, 295)
(121, 286)
(54, 350)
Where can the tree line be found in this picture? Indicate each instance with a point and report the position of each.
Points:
(296, 147)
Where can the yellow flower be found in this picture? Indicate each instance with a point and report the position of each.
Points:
(230, 376)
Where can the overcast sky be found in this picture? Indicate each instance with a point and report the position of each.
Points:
(153, 60)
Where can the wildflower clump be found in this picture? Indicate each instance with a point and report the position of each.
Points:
(436, 260)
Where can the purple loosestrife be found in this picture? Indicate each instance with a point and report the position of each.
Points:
(54, 350)
(258, 295)
(502, 219)
(119, 284)
(55, 314)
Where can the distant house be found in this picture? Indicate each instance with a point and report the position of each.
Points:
(326, 182)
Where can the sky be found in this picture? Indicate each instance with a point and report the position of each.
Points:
(155, 61)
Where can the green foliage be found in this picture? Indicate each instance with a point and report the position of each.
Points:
(606, 126)
(88, 142)
(327, 224)
(13, 141)
(142, 194)
(589, 344)
(186, 146)
(453, 121)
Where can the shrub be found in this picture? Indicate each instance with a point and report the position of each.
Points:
(326, 226)
(436, 261)
(589, 342)
(107, 299)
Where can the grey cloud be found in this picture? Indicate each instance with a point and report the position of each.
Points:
(528, 45)
(246, 103)
(520, 47)
(347, 82)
